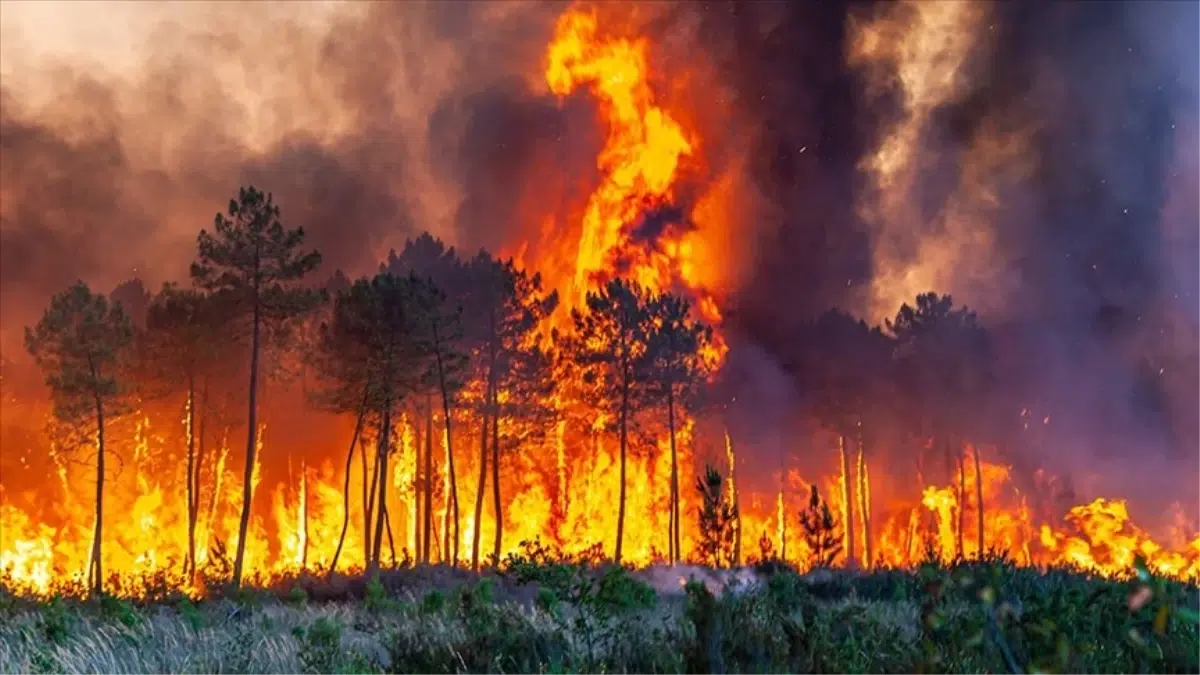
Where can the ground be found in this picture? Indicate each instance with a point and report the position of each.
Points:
(546, 616)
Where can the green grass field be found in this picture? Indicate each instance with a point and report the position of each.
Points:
(545, 616)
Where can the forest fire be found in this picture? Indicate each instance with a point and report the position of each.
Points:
(467, 473)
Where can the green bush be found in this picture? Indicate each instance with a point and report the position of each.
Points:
(320, 646)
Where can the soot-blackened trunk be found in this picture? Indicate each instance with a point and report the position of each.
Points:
(452, 546)
(673, 534)
(362, 411)
(624, 429)
(368, 497)
(978, 497)
(496, 503)
(189, 566)
(483, 457)
(426, 539)
(96, 568)
(962, 503)
(385, 434)
(252, 421)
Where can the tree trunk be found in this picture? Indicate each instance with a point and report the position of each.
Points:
(673, 534)
(624, 423)
(483, 457)
(962, 502)
(337, 552)
(387, 519)
(368, 496)
(189, 564)
(426, 542)
(304, 514)
(733, 499)
(847, 502)
(864, 497)
(452, 550)
(381, 477)
(978, 497)
(496, 503)
(202, 418)
(97, 569)
(252, 420)
(418, 485)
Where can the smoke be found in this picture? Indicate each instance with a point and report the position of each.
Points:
(110, 170)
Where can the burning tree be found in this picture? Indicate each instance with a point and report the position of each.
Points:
(181, 352)
(251, 257)
(507, 307)
(440, 335)
(608, 349)
(429, 258)
(847, 365)
(372, 361)
(677, 368)
(716, 516)
(944, 367)
(820, 530)
(81, 344)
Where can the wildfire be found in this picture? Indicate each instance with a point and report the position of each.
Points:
(564, 490)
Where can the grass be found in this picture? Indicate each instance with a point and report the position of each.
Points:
(547, 615)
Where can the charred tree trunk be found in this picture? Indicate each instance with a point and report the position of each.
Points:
(96, 569)
(673, 534)
(733, 499)
(202, 418)
(483, 460)
(962, 503)
(427, 515)
(847, 502)
(391, 540)
(189, 564)
(251, 441)
(368, 500)
(337, 552)
(451, 551)
(624, 431)
(304, 516)
(978, 497)
(380, 474)
(496, 503)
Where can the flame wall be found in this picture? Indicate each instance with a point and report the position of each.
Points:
(1038, 163)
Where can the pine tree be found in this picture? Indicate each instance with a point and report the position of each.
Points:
(677, 368)
(608, 349)
(821, 530)
(716, 516)
(259, 264)
(181, 350)
(82, 344)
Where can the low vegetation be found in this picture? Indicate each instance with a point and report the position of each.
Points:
(547, 614)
